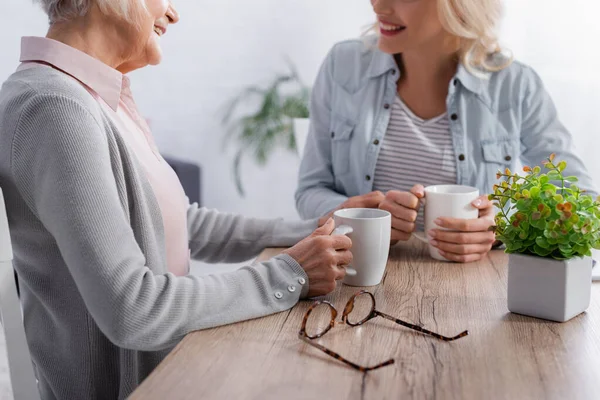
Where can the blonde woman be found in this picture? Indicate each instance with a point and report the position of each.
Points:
(101, 229)
(429, 99)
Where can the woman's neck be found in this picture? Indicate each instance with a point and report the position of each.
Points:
(424, 80)
(92, 36)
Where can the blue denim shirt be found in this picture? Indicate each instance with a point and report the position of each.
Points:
(496, 120)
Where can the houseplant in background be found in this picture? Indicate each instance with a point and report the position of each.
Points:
(270, 126)
(549, 230)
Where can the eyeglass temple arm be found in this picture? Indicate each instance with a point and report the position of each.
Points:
(418, 328)
(342, 359)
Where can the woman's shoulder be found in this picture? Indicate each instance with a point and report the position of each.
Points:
(350, 61)
(44, 84)
(357, 49)
(516, 73)
(509, 86)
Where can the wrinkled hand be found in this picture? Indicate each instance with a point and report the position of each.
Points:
(404, 207)
(323, 258)
(473, 238)
(369, 200)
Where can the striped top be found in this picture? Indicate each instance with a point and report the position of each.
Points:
(415, 151)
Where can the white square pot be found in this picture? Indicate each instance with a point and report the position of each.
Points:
(549, 289)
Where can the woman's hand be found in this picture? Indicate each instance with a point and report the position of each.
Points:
(369, 200)
(323, 258)
(404, 207)
(472, 239)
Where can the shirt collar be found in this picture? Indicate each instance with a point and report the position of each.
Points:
(469, 80)
(382, 63)
(107, 82)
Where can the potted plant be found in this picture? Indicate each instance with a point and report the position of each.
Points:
(271, 125)
(549, 227)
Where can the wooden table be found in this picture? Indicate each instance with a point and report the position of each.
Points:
(506, 356)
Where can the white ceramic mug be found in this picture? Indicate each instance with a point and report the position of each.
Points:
(452, 201)
(370, 231)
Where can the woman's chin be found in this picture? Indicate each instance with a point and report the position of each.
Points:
(154, 56)
(154, 51)
(389, 48)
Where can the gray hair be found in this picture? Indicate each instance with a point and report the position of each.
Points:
(65, 10)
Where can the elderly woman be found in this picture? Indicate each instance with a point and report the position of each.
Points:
(102, 231)
(429, 99)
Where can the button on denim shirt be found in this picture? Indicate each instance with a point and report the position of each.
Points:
(496, 120)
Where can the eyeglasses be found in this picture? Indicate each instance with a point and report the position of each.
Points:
(359, 309)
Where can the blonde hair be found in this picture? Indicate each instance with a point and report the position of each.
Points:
(65, 10)
(474, 24)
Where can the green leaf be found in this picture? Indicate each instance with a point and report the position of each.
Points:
(571, 179)
(562, 165)
(540, 251)
(553, 176)
(576, 188)
(237, 173)
(539, 224)
(523, 205)
(544, 179)
(549, 187)
(565, 248)
(542, 242)
(514, 246)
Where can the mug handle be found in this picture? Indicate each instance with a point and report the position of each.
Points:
(345, 230)
(421, 235)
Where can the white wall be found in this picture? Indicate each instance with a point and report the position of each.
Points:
(560, 40)
(222, 45)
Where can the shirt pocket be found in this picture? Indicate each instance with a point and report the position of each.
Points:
(498, 154)
(500, 151)
(341, 138)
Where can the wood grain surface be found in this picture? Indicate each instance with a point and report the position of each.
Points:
(505, 356)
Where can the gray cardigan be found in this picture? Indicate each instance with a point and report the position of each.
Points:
(101, 310)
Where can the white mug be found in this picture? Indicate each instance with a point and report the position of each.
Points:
(370, 231)
(453, 201)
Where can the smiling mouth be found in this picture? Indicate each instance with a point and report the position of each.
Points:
(390, 29)
(159, 31)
